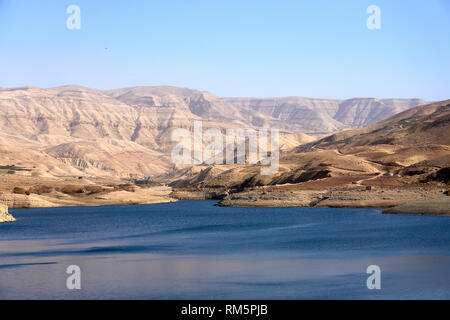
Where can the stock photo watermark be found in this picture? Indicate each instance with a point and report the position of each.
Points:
(191, 150)
(374, 20)
(73, 22)
(374, 280)
(73, 282)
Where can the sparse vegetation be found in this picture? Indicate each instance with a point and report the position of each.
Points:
(146, 182)
(407, 124)
(14, 168)
(413, 126)
(336, 143)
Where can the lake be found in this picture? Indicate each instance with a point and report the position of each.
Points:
(195, 250)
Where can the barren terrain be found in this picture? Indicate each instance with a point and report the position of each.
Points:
(71, 146)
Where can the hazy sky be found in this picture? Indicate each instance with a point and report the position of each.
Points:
(232, 48)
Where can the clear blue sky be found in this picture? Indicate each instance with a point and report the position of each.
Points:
(232, 48)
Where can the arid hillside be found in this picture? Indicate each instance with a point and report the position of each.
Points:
(79, 146)
(409, 149)
(402, 163)
(126, 133)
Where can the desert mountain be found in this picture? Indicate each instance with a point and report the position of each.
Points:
(409, 148)
(289, 114)
(425, 125)
(125, 133)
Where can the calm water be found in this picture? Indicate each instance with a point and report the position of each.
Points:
(193, 250)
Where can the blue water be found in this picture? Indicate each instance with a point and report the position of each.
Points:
(194, 250)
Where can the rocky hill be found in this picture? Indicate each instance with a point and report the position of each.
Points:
(78, 146)
(410, 148)
(126, 133)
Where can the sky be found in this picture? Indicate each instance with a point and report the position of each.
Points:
(247, 48)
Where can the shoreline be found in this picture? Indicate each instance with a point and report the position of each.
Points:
(436, 207)
(424, 208)
(58, 199)
(400, 201)
(389, 201)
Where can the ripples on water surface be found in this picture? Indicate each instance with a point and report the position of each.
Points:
(194, 250)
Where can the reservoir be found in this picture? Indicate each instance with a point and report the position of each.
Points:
(195, 250)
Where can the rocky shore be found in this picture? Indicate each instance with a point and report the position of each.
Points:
(425, 201)
(402, 201)
(427, 207)
(111, 196)
(4, 215)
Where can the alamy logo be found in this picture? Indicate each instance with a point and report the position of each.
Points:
(374, 20)
(239, 146)
(374, 280)
(73, 22)
(74, 280)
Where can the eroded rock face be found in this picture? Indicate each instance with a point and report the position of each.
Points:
(127, 133)
(4, 215)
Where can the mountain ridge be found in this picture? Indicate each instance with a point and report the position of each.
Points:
(413, 144)
(93, 130)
